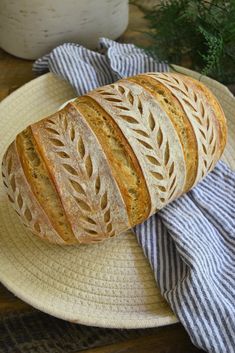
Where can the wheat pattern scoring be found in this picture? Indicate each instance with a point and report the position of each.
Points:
(199, 115)
(20, 205)
(142, 122)
(81, 177)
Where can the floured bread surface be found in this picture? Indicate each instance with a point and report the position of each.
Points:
(76, 162)
(121, 158)
(151, 134)
(24, 201)
(215, 109)
(205, 120)
(113, 157)
(42, 187)
(175, 112)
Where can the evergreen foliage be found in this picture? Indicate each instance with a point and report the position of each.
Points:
(199, 33)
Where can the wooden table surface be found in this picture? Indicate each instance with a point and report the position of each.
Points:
(23, 328)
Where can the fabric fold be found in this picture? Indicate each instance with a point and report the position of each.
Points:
(190, 244)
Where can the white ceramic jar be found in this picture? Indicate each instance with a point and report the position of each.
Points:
(31, 28)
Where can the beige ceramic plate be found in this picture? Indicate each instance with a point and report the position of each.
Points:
(108, 284)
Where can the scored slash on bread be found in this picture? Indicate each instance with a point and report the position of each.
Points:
(24, 199)
(150, 132)
(112, 158)
(120, 157)
(206, 119)
(89, 194)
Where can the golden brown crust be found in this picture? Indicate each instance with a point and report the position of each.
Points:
(75, 160)
(151, 136)
(122, 160)
(201, 115)
(41, 184)
(220, 118)
(180, 121)
(113, 157)
(22, 198)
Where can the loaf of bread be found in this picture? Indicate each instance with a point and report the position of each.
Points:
(111, 158)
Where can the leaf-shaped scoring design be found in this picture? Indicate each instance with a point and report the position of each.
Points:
(199, 114)
(13, 192)
(14, 183)
(81, 176)
(140, 120)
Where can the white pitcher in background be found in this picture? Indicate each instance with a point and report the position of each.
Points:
(31, 28)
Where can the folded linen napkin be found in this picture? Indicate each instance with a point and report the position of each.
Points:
(190, 244)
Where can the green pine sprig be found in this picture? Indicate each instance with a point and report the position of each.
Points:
(199, 34)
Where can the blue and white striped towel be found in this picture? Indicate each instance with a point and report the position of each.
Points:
(190, 243)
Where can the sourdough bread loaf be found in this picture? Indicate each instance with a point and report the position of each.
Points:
(111, 158)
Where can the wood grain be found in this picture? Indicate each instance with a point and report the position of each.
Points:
(10, 303)
(172, 339)
(14, 72)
